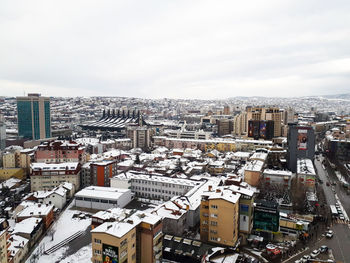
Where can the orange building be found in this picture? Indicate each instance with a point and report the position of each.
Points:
(101, 172)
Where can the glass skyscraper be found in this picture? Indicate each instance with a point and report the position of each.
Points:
(33, 114)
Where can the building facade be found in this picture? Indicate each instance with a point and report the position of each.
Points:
(34, 121)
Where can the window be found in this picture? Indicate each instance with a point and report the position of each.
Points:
(214, 215)
(97, 252)
(98, 241)
(213, 223)
(214, 206)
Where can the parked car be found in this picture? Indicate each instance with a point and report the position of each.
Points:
(323, 249)
(305, 258)
(329, 234)
(315, 253)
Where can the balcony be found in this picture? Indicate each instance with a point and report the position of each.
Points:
(158, 247)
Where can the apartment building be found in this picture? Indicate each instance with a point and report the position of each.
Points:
(4, 236)
(101, 172)
(60, 152)
(219, 217)
(47, 176)
(130, 237)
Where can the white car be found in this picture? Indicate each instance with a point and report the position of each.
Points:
(329, 234)
(305, 258)
(315, 253)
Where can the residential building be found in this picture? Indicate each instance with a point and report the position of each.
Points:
(130, 238)
(60, 152)
(7, 173)
(280, 178)
(30, 209)
(34, 121)
(4, 242)
(47, 176)
(56, 197)
(31, 228)
(140, 136)
(101, 172)
(225, 126)
(219, 217)
(18, 249)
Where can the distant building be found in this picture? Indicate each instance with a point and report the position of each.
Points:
(225, 126)
(301, 144)
(261, 129)
(3, 240)
(2, 133)
(34, 121)
(140, 136)
(306, 174)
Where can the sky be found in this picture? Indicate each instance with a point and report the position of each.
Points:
(175, 49)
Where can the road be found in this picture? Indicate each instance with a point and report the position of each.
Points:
(340, 243)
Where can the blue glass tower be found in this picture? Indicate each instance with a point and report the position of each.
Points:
(33, 115)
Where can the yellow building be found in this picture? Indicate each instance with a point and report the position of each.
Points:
(26, 157)
(221, 146)
(137, 238)
(7, 173)
(219, 217)
(10, 159)
(4, 243)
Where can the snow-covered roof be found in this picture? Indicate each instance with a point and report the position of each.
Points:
(35, 209)
(72, 166)
(305, 166)
(10, 183)
(278, 172)
(224, 194)
(254, 165)
(259, 156)
(107, 193)
(17, 243)
(163, 179)
(27, 225)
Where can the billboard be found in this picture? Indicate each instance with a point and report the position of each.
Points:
(302, 139)
(109, 254)
(262, 130)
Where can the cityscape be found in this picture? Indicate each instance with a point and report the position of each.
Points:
(174, 131)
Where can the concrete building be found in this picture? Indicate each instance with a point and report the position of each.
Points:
(48, 176)
(219, 217)
(306, 174)
(4, 236)
(30, 209)
(253, 172)
(129, 237)
(225, 126)
(280, 178)
(140, 136)
(7, 173)
(60, 152)
(266, 217)
(102, 198)
(34, 121)
(151, 186)
(101, 172)
(301, 144)
(2, 133)
(56, 197)
(183, 134)
(31, 228)
(18, 249)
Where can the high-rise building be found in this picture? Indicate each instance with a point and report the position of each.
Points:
(33, 114)
(301, 144)
(2, 133)
(226, 110)
(225, 126)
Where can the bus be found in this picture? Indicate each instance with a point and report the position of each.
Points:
(334, 211)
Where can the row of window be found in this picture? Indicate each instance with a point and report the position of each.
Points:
(135, 188)
(88, 199)
(160, 184)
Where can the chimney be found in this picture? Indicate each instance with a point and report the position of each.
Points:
(218, 190)
(187, 207)
(210, 188)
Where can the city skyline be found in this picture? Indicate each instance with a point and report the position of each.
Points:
(184, 50)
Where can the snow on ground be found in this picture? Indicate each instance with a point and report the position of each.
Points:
(63, 228)
(83, 255)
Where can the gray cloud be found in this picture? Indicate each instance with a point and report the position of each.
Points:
(181, 49)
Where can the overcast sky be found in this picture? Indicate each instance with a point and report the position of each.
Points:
(175, 49)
